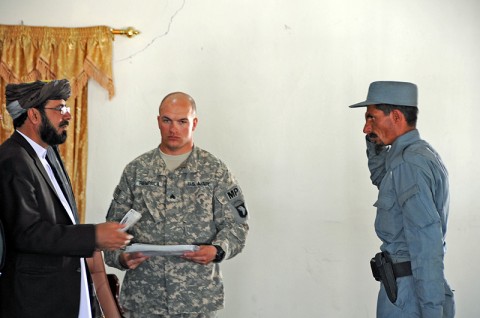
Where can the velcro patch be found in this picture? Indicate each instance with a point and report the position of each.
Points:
(197, 183)
(241, 209)
(233, 193)
(148, 183)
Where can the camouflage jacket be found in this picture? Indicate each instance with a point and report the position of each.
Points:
(198, 203)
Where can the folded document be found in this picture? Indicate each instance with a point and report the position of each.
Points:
(160, 250)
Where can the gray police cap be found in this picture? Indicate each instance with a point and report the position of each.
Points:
(392, 93)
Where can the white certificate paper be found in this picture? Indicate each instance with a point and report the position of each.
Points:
(160, 250)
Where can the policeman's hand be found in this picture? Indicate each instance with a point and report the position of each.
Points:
(132, 260)
(204, 255)
(109, 236)
(372, 137)
(379, 145)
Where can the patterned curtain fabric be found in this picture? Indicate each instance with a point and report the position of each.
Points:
(43, 53)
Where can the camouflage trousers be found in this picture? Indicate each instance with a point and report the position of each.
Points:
(130, 314)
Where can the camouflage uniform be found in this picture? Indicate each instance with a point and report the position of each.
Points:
(198, 203)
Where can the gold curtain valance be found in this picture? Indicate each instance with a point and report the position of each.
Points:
(73, 53)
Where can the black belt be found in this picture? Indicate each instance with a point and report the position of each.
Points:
(402, 269)
(399, 269)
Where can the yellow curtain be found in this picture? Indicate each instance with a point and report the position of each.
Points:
(42, 53)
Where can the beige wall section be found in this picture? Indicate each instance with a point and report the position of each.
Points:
(272, 81)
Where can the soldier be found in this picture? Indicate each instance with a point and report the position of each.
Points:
(186, 196)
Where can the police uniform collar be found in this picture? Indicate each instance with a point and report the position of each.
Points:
(395, 154)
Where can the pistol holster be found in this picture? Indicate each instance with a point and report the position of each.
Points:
(384, 270)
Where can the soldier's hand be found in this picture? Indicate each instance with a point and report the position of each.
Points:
(204, 255)
(109, 236)
(132, 260)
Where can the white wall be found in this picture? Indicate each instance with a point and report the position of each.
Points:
(272, 80)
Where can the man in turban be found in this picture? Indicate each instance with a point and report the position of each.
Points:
(45, 274)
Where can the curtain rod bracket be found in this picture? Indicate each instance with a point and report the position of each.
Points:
(130, 32)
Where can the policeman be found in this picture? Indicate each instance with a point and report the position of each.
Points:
(412, 206)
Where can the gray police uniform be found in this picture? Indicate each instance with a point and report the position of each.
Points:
(200, 202)
(411, 222)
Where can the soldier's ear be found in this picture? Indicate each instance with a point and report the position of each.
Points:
(195, 122)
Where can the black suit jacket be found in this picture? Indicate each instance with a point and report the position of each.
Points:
(2, 247)
(41, 276)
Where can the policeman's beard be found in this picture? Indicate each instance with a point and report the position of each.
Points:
(374, 138)
(48, 133)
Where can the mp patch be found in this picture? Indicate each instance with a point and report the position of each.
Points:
(235, 199)
(233, 193)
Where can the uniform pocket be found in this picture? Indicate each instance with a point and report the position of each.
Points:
(384, 203)
(388, 218)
